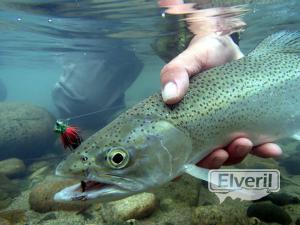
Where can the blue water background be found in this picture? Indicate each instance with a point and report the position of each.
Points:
(35, 36)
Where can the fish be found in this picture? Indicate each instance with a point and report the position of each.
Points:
(150, 144)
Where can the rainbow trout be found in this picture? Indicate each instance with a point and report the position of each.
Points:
(257, 97)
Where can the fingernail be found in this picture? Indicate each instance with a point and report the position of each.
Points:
(278, 151)
(169, 91)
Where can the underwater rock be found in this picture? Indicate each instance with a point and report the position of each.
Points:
(41, 196)
(12, 167)
(14, 216)
(291, 163)
(4, 221)
(281, 199)
(254, 162)
(8, 190)
(297, 221)
(36, 166)
(166, 204)
(134, 207)
(26, 130)
(178, 193)
(40, 173)
(206, 197)
(222, 214)
(4, 203)
(268, 212)
(49, 216)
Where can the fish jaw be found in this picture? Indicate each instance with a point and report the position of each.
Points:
(91, 188)
(103, 193)
(155, 153)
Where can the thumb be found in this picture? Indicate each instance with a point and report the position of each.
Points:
(175, 82)
(202, 54)
(175, 75)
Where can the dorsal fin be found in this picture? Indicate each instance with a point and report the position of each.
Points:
(281, 42)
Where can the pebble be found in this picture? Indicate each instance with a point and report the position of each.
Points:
(221, 214)
(134, 207)
(37, 165)
(269, 212)
(166, 204)
(38, 176)
(41, 196)
(12, 167)
(4, 221)
(291, 163)
(281, 199)
(25, 130)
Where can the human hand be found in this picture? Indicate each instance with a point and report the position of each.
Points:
(204, 53)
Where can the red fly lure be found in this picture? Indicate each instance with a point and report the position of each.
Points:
(69, 135)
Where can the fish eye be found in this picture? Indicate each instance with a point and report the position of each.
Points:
(117, 158)
(84, 158)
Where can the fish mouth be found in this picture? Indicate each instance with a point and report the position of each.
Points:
(91, 185)
(90, 190)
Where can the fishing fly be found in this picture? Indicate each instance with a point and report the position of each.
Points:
(69, 135)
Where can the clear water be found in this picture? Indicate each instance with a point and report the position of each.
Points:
(41, 40)
(35, 36)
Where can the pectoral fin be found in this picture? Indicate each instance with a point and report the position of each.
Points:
(195, 171)
(296, 136)
(200, 173)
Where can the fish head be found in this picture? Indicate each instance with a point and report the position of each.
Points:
(126, 157)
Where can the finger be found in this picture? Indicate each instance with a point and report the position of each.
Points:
(214, 160)
(175, 75)
(238, 150)
(202, 54)
(175, 81)
(267, 150)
